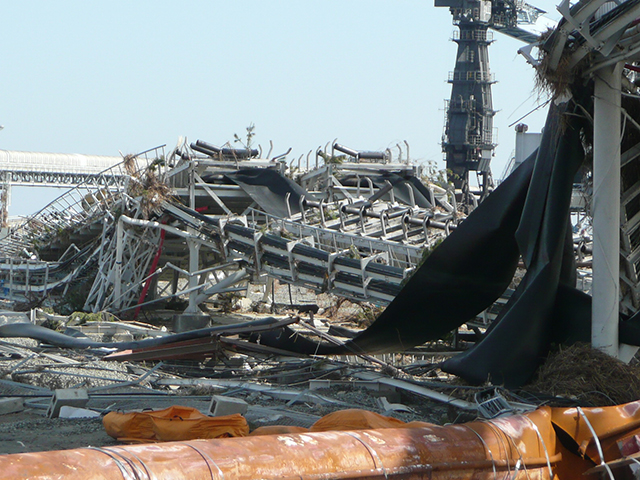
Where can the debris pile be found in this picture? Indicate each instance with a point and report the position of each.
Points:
(277, 388)
(588, 376)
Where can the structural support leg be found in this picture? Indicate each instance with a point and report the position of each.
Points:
(606, 210)
(117, 278)
(268, 290)
(194, 265)
(5, 201)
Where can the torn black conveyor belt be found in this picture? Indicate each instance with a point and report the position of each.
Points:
(36, 332)
(520, 336)
(272, 191)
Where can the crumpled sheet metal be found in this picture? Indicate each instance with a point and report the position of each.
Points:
(478, 450)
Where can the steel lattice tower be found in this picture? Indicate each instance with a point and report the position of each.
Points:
(468, 136)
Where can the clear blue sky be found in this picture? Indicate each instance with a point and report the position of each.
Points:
(102, 77)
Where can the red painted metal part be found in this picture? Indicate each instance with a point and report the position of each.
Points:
(504, 448)
(152, 270)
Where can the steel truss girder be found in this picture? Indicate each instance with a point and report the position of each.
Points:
(53, 179)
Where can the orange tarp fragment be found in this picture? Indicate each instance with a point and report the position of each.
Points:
(175, 423)
(355, 419)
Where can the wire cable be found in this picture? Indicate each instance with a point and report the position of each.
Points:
(597, 442)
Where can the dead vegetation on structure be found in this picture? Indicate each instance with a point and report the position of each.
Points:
(154, 193)
(552, 83)
(588, 376)
(129, 163)
(148, 186)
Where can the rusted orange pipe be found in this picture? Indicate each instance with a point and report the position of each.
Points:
(477, 450)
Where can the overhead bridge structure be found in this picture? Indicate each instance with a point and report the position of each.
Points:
(51, 170)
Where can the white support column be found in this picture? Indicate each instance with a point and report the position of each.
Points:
(194, 266)
(5, 200)
(606, 210)
(194, 248)
(117, 277)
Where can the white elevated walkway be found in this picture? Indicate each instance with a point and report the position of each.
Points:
(51, 169)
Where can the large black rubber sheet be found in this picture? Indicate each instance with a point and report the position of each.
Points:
(522, 333)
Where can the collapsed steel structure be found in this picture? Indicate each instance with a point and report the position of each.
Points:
(262, 238)
(203, 219)
(228, 222)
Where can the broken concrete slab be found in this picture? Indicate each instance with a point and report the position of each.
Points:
(74, 397)
(67, 411)
(221, 405)
(11, 405)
